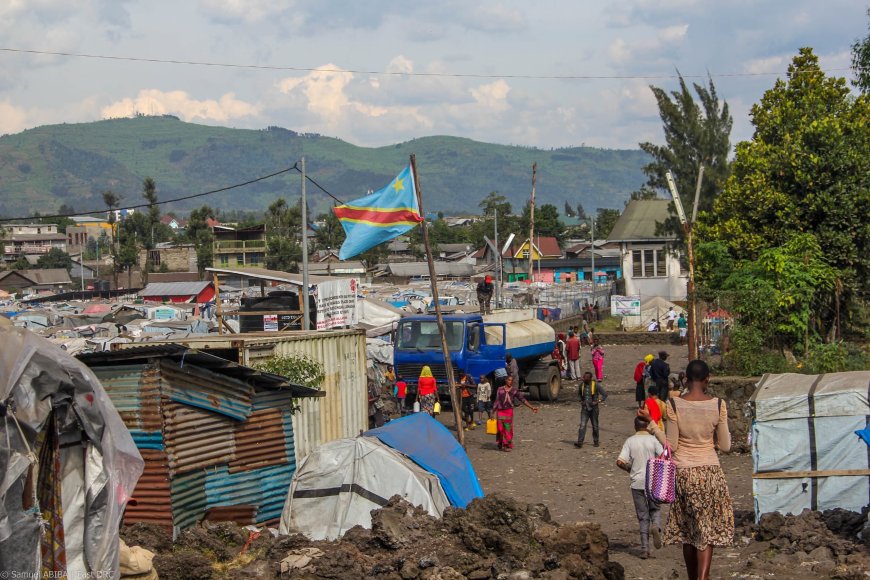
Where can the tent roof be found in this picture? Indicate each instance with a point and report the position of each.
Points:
(795, 396)
(270, 275)
(433, 448)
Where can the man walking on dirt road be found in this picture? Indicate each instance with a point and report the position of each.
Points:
(591, 397)
(572, 351)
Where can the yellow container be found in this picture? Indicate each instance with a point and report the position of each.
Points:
(491, 427)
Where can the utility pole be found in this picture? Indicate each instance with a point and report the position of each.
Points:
(433, 283)
(303, 296)
(592, 254)
(532, 222)
(497, 262)
(690, 249)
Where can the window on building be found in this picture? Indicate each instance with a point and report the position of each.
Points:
(240, 259)
(648, 263)
(255, 259)
(154, 257)
(225, 260)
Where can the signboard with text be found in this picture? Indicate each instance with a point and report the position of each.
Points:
(336, 303)
(625, 305)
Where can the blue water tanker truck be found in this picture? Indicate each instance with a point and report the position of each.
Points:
(478, 346)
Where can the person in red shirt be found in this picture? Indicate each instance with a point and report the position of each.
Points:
(401, 391)
(572, 352)
(640, 374)
(427, 391)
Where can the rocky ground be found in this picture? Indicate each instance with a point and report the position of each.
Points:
(552, 511)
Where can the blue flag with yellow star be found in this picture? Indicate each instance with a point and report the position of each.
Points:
(380, 216)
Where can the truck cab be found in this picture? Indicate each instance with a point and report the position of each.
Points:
(477, 347)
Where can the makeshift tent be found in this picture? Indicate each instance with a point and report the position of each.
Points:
(804, 448)
(69, 464)
(653, 308)
(434, 448)
(338, 485)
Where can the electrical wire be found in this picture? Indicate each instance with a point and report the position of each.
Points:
(390, 73)
(161, 202)
(317, 185)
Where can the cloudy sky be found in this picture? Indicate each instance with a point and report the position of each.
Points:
(478, 68)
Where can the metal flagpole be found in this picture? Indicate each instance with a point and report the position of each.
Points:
(445, 349)
(303, 296)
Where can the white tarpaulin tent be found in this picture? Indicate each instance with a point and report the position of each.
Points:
(804, 448)
(652, 308)
(338, 485)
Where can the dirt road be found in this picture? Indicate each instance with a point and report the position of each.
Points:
(585, 484)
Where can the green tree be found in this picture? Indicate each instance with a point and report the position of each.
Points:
(776, 293)
(55, 258)
(374, 256)
(283, 236)
(201, 236)
(330, 235)
(861, 62)
(806, 170)
(604, 222)
(569, 211)
(21, 264)
(696, 132)
(547, 222)
(581, 213)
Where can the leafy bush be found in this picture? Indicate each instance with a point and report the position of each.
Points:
(748, 355)
(299, 369)
(835, 357)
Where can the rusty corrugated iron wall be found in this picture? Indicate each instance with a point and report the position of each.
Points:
(213, 446)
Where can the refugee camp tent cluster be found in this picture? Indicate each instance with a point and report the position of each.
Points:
(69, 465)
(338, 485)
(805, 449)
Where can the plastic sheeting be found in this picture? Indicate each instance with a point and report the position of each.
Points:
(807, 423)
(38, 377)
(338, 485)
(433, 448)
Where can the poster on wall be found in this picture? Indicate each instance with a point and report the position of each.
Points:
(625, 305)
(336, 303)
(270, 322)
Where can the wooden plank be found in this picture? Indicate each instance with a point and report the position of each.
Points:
(801, 474)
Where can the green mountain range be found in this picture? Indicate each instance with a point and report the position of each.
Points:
(72, 164)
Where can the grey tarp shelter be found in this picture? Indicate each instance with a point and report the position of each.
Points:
(67, 461)
(804, 448)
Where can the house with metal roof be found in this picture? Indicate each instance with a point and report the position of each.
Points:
(649, 266)
(196, 292)
(33, 281)
(216, 436)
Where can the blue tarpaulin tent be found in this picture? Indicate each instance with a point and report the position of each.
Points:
(431, 446)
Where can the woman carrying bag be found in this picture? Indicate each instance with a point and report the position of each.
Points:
(505, 398)
(427, 391)
(702, 515)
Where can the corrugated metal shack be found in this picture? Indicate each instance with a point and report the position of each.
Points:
(216, 436)
(342, 412)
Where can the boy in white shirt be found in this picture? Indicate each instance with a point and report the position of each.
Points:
(636, 450)
(484, 398)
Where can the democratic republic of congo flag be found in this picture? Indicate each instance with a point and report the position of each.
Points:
(380, 216)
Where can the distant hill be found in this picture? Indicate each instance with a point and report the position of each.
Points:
(72, 164)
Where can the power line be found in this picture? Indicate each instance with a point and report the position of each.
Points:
(389, 73)
(317, 185)
(161, 202)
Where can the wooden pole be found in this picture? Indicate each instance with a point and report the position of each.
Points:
(218, 311)
(690, 290)
(445, 349)
(303, 295)
(532, 222)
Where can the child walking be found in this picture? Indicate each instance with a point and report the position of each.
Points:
(636, 450)
(484, 399)
(598, 360)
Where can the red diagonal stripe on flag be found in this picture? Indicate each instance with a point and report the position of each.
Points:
(381, 217)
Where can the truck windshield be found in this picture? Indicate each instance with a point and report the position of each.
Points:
(423, 335)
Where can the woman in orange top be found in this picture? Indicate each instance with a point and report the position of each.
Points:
(427, 391)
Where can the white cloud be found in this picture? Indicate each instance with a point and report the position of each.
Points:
(12, 119)
(673, 34)
(180, 103)
(493, 95)
(765, 65)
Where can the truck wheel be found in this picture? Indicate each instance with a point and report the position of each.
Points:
(550, 390)
(534, 393)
